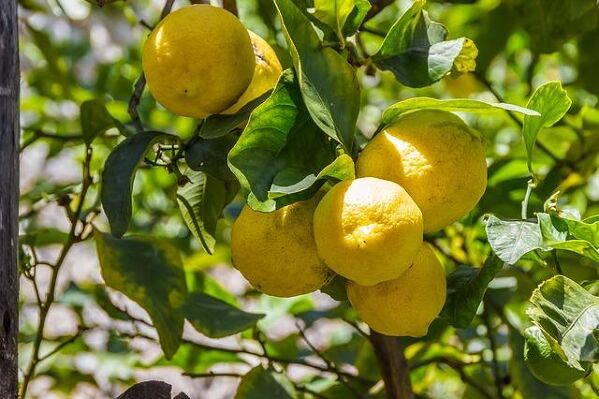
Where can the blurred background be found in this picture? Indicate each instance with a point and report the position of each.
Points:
(72, 51)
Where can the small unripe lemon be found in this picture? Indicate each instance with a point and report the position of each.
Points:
(544, 363)
(267, 72)
(436, 157)
(407, 305)
(198, 61)
(276, 252)
(368, 230)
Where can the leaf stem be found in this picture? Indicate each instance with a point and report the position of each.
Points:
(529, 188)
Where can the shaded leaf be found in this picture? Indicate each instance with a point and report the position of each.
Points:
(149, 271)
(282, 156)
(119, 174)
(552, 102)
(201, 202)
(210, 156)
(328, 83)
(568, 314)
(148, 390)
(215, 318)
(220, 125)
(416, 52)
(466, 287)
(95, 119)
(259, 383)
(568, 235)
(342, 16)
(457, 104)
(194, 359)
(512, 239)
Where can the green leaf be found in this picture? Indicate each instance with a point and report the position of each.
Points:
(328, 83)
(512, 239)
(119, 174)
(457, 104)
(416, 52)
(336, 288)
(194, 359)
(259, 383)
(210, 156)
(568, 314)
(201, 202)
(568, 235)
(220, 125)
(343, 16)
(215, 318)
(466, 287)
(149, 271)
(282, 156)
(95, 119)
(552, 102)
(550, 23)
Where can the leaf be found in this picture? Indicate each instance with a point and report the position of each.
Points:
(193, 359)
(568, 235)
(119, 174)
(201, 202)
(216, 125)
(95, 119)
(570, 315)
(416, 52)
(343, 16)
(210, 156)
(329, 85)
(466, 287)
(552, 102)
(512, 239)
(282, 156)
(259, 383)
(457, 104)
(148, 390)
(215, 318)
(149, 271)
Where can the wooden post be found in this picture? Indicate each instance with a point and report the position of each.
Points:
(393, 365)
(9, 197)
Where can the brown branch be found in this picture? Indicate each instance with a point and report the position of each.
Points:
(393, 365)
(231, 6)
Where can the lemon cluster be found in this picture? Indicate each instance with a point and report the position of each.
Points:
(421, 173)
(200, 60)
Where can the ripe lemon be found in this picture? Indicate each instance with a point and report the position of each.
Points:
(436, 157)
(276, 252)
(407, 305)
(198, 61)
(544, 363)
(267, 72)
(368, 230)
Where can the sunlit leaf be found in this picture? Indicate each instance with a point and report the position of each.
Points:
(149, 271)
(328, 83)
(512, 239)
(259, 383)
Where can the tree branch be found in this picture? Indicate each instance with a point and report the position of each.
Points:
(393, 365)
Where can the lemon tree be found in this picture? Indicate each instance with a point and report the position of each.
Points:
(301, 199)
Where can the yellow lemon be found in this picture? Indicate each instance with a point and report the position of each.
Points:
(436, 157)
(198, 61)
(276, 252)
(407, 305)
(368, 230)
(267, 72)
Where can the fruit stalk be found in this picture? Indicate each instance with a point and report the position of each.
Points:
(393, 365)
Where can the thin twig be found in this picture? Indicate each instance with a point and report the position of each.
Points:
(62, 345)
(39, 133)
(376, 7)
(494, 363)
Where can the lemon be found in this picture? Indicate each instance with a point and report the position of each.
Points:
(368, 230)
(436, 157)
(267, 72)
(544, 363)
(198, 61)
(276, 252)
(407, 305)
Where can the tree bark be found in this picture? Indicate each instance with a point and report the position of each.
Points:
(393, 365)
(9, 195)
